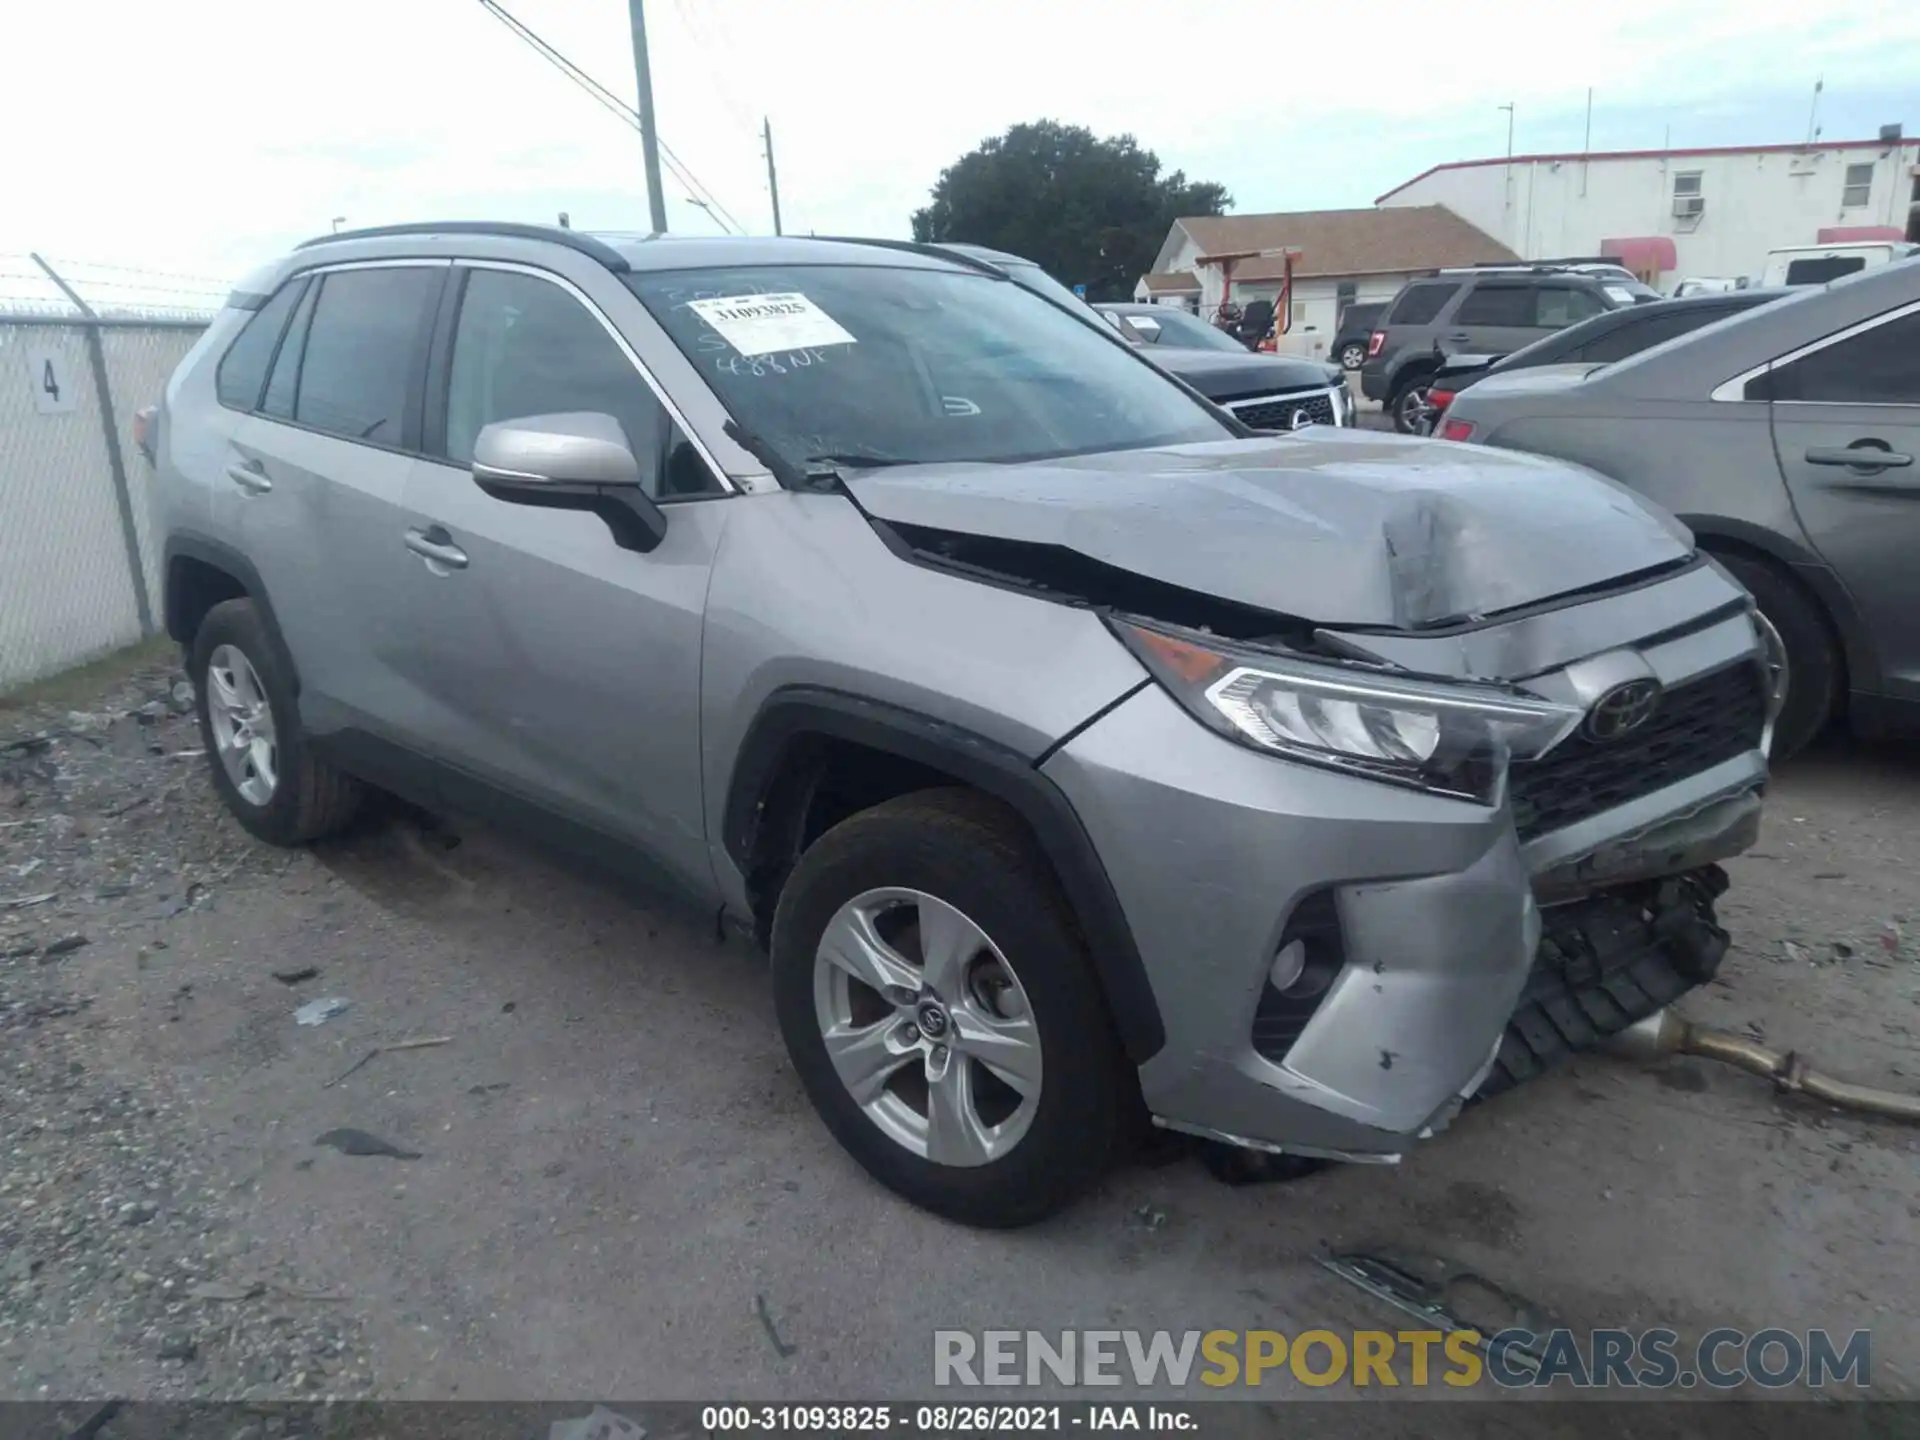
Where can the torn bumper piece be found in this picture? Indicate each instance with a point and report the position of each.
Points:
(1444, 971)
(1214, 848)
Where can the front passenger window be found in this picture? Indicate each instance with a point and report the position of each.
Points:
(523, 346)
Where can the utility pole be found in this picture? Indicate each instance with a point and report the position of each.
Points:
(649, 147)
(773, 180)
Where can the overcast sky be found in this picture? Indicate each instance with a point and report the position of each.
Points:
(203, 136)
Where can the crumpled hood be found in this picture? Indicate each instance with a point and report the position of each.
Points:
(1219, 375)
(1336, 527)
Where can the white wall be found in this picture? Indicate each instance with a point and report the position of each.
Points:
(66, 578)
(1754, 202)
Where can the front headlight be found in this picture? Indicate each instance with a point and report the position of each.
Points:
(1453, 739)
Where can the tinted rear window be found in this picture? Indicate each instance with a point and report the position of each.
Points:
(362, 352)
(1818, 269)
(1418, 304)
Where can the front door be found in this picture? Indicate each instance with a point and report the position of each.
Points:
(547, 660)
(1846, 426)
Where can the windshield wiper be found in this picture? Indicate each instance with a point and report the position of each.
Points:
(839, 460)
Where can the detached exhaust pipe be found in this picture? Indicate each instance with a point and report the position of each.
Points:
(1665, 1033)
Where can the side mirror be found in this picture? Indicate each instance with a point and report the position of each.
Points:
(578, 461)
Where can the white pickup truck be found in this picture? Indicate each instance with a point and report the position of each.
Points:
(1817, 264)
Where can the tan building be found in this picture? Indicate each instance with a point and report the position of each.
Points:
(1343, 256)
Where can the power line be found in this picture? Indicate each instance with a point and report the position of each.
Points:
(681, 170)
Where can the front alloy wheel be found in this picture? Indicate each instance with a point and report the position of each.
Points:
(927, 1026)
(941, 1010)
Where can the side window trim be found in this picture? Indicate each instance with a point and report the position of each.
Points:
(442, 368)
(1736, 388)
(296, 334)
(297, 284)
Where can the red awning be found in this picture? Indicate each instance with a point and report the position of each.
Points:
(1643, 253)
(1848, 234)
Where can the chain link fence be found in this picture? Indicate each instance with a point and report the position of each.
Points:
(79, 564)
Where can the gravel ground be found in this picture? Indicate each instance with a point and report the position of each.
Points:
(609, 1182)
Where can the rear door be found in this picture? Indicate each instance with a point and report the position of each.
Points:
(547, 661)
(1846, 426)
(322, 467)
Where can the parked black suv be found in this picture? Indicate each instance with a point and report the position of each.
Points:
(1356, 328)
(1493, 309)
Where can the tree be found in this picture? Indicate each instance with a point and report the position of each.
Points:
(1088, 211)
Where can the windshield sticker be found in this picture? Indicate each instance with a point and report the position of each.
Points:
(764, 324)
(1619, 294)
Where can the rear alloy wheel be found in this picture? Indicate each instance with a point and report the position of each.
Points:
(250, 724)
(1409, 407)
(941, 1011)
(1353, 356)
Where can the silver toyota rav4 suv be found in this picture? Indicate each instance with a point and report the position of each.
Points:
(1078, 754)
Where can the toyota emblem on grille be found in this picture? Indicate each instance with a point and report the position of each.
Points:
(1300, 419)
(1623, 710)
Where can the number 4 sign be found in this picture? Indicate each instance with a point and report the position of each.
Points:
(52, 381)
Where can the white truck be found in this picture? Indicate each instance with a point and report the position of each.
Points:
(1817, 264)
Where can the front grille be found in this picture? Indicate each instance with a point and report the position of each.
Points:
(1277, 413)
(1698, 725)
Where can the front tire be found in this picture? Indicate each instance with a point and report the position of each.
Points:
(939, 1006)
(257, 753)
(1813, 656)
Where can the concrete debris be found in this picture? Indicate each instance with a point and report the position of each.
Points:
(360, 1142)
(296, 974)
(178, 1347)
(25, 902)
(65, 945)
(318, 1012)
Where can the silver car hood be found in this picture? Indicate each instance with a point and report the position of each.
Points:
(1337, 527)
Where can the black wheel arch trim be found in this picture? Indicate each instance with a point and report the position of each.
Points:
(800, 711)
(1803, 565)
(221, 556)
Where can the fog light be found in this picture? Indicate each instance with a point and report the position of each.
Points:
(1288, 965)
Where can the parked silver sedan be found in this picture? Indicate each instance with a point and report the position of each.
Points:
(1785, 438)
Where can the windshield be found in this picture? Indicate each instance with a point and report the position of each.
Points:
(913, 366)
(1178, 330)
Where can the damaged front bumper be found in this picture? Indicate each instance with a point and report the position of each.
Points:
(1423, 915)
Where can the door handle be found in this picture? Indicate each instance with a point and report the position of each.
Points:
(1861, 455)
(436, 547)
(248, 475)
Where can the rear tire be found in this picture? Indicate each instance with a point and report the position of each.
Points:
(1353, 356)
(1408, 403)
(973, 857)
(1813, 656)
(305, 798)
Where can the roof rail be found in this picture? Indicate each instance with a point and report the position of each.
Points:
(1538, 266)
(932, 249)
(506, 229)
